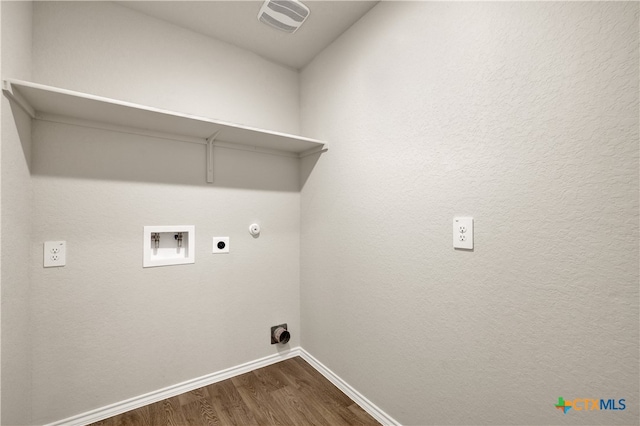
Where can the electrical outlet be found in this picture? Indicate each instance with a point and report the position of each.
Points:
(55, 254)
(463, 232)
(220, 244)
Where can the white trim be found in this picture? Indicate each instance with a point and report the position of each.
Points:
(357, 397)
(174, 390)
(180, 388)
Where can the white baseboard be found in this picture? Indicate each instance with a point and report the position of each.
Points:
(357, 397)
(174, 390)
(180, 388)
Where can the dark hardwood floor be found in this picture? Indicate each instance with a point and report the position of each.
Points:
(290, 392)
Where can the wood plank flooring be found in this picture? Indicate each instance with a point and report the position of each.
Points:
(290, 392)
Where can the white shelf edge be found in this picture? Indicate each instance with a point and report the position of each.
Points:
(11, 88)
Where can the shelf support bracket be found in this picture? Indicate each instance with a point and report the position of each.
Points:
(210, 141)
(13, 94)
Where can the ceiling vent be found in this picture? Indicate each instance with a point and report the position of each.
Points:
(284, 15)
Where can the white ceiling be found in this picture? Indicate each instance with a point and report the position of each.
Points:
(236, 22)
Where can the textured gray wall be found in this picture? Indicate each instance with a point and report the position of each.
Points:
(16, 223)
(104, 328)
(524, 116)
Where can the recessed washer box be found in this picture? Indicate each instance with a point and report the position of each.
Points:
(169, 245)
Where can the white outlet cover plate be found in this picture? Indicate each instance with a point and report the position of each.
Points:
(223, 250)
(463, 233)
(55, 253)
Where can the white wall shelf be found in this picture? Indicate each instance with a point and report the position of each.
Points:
(60, 105)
